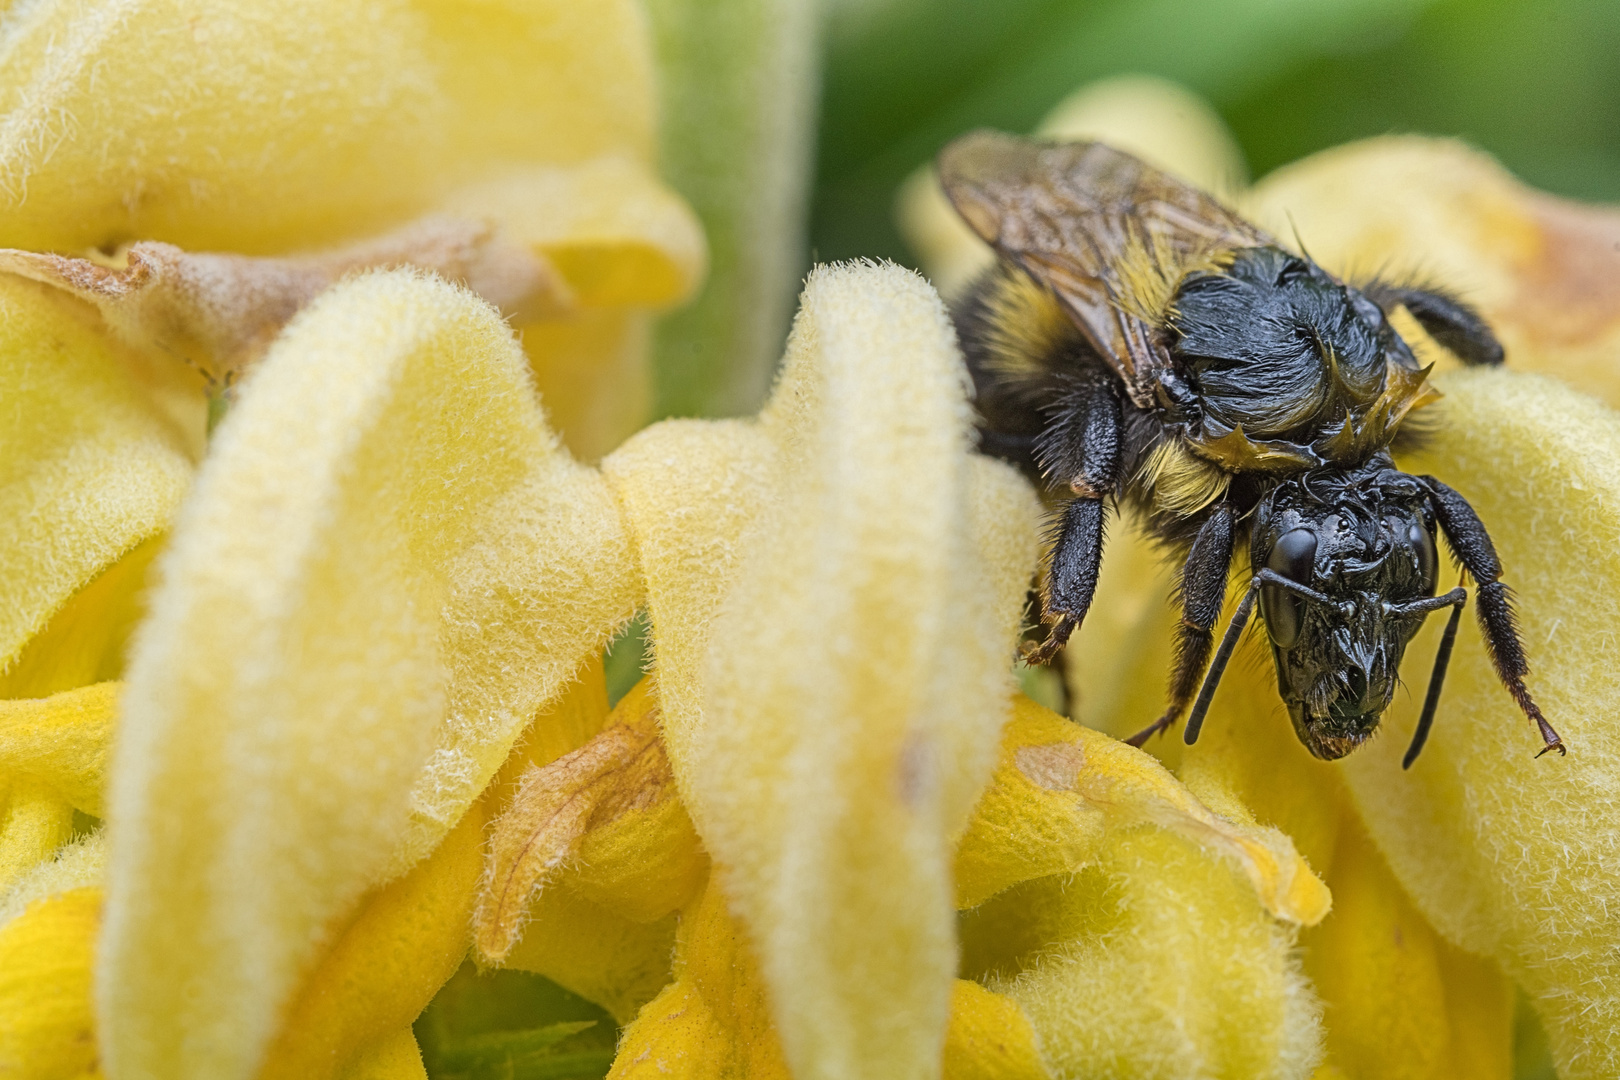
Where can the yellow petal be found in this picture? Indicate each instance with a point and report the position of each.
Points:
(62, 741)
(385, 966)
(616, 234)
(603, 957)
(592, 371)
(989, 1038)
(831, 728)
(1061, 787)
(89, 468)
(76, 865)
(195, 126)
(610, 806)
(1157, 120)
(395, 1056)
(714, 1020)
(1156, 962)
(1400, 1002)
(1507, 855)
(387, 567)
(46, 1027)
(34, 822)
(1544, 271)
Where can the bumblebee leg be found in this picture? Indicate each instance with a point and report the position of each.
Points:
(1203, 591)
(1447, 319)
(1472, 544)
(1079, 447)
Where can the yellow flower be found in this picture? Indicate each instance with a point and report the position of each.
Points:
(1479, 868)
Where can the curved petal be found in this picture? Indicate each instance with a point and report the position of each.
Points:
(386, 965)
(63, 741)
(46, 1027)
(1510, 856)
(858, 677)
(1061, 788)
(387, 566)
(87, 469)
(137, 119)
(1155, 962)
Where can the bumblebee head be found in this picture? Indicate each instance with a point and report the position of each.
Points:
(1346, 554)
(1276, 344)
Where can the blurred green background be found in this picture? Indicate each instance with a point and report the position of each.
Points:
(1535, 82)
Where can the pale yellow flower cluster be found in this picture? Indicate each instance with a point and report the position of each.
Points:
(362, 731)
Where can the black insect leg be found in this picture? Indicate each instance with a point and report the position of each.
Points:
(1078, 448)
(1473, 547)
(1203, 591)
(1447, 319)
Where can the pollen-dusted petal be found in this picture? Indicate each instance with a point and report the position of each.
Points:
(1508, 855)
(193, 125)
(386, 964)
(62, 741)
(1157, 962)
(88, 469)
(1060, 788)
(605, 815)
(46, 1027)
(598, 954)
(989, 1038)
(858, 677)
(1400, 1002)
(387, 567)
(1544, 271)
(715, 1018)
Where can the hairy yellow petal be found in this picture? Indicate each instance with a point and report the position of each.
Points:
(76, 865)
(34, 822)
(715, 1019)
(1155, 962)
(609, 805)
(989, 1038)
(858, 677)
(1400, 1002)
(592, 371)
(47, 1031)
(1060, 787)
(387, 567)
(385, 965)
(1544, 271)
(395, 1056)
(1510, 856)
(88, 469)
(604, 957)
(62, 741)
(192, 123)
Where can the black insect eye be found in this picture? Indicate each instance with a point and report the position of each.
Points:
(1423, 544)
(1294, 557)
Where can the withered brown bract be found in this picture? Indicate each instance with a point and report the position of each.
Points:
(1139, 341)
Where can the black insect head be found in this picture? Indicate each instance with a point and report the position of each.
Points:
(1347, 554)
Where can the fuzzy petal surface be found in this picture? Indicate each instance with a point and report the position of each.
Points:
(388, 565)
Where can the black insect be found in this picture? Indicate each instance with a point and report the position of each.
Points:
(1138, 340)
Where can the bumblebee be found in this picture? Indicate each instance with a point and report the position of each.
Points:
(1140, 342)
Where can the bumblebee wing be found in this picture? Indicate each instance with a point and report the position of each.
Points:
(1108, 234)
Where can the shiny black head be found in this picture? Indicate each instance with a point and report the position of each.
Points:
(1360, 543)
(1277, 344)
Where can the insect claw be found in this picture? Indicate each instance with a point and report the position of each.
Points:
(1162, 724)
(1558, 746)
(1039, 655)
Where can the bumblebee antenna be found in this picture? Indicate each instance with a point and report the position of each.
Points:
(1206, 693)
(1458, 599)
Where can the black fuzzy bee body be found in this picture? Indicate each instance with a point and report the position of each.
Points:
(1139, 343)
